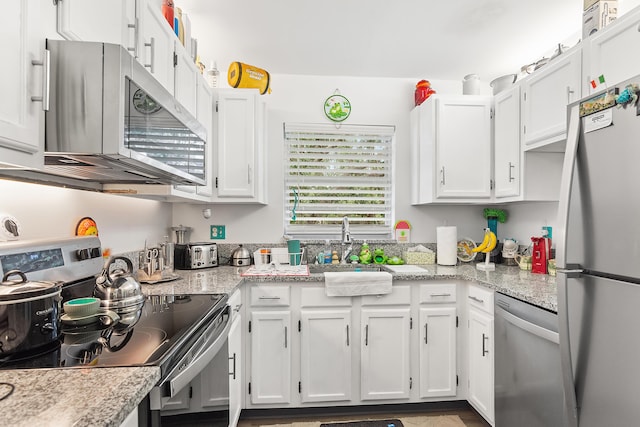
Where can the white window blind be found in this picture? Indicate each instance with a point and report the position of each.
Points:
(335, 172)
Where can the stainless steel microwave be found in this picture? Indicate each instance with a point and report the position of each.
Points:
(111, 121)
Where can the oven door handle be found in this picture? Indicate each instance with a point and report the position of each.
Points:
(178, 381)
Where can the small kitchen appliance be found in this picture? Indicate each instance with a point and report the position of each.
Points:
(240, 257)
(540, 254)
(192, 256)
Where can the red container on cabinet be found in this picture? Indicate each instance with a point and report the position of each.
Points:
(423, 91)
(168, 12)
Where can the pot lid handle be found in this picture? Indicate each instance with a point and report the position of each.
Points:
(6, 281)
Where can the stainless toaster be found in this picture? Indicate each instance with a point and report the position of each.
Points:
(191, 256)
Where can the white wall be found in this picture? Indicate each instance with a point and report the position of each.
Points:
(375, 101)
(51, 212)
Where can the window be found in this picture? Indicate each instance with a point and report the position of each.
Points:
(334, 172)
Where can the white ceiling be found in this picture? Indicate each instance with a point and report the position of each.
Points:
(381, 38)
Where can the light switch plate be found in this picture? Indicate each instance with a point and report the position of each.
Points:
(217, 232)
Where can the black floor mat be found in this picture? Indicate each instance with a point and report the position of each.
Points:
(376, 423)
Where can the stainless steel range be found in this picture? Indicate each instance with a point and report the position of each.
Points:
(181, 334)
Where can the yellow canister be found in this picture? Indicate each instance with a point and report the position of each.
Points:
(242, 75)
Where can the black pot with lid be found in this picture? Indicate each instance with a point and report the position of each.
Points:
(240, 257)
(29, 313)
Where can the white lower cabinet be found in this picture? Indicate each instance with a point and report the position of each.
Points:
(402, 347)
(270, 343)
(384, 358)
(480, 351)
(325, 355)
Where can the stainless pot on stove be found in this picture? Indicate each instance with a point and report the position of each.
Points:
(29, 313)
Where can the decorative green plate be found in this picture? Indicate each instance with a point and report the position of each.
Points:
(337, 108)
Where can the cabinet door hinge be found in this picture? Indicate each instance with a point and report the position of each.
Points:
(410, 383)
(524, 129)
(299, 326)
(457, 381)
(249, 387)
(216, 182)
(411, 323)
(457, 321)
(249, 326)
(190, 392)
(491, 184)
(524, 96)
(299, 386)
(491, 113)
(175, 60)
(216, 106)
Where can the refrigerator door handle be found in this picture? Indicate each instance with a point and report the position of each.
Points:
(568, 169)
(565, 351)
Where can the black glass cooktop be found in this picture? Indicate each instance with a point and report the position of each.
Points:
(156, 333)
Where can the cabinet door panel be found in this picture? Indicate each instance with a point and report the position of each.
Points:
(385, 353)
(545, 99)
(270, 357)
(235, 370)
(236, 144)
(481, 368)
(507, 143)
(607, 52)
(93, 20)
(438, 352)
(157, 44)
(463, 135)
(186, 76)
(21, 119)
(326, 355)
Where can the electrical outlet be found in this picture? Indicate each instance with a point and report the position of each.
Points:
(217, 232)
(549, 231)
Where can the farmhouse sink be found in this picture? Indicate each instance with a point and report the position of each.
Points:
(329, 268)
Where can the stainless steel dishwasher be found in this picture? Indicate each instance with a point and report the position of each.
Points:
(528, 377)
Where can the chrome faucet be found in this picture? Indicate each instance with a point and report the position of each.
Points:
(346, 240)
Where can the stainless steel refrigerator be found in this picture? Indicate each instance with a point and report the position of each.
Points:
(598, 260)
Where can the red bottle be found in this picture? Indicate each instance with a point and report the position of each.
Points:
(423, 91)
(168, 12)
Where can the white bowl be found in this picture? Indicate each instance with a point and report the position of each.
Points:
(81, 307)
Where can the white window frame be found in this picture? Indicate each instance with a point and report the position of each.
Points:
(317, 220)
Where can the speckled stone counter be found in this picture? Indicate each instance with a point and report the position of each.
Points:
(74, 397)
(537, 289)
(105, 396)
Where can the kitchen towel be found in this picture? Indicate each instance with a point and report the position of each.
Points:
(354, 283)
(447, 245)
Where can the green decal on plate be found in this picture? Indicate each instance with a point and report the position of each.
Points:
(337, 108)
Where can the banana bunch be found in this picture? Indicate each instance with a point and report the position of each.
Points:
(488, 243)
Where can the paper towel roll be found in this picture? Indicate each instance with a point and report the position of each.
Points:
(447, 245)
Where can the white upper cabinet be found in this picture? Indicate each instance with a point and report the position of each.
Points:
(506, 140)
(96, 20)
(239, 157)
(607, 52)
(451, 149)
(186, 76)
(23, 85)
(156, 43)
(545, 95)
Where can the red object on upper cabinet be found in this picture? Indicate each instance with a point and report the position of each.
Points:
(168, 12)
(423, 91)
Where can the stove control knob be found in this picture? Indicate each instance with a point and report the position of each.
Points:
(83, 254)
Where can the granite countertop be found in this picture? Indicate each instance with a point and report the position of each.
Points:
(537, 289)
(105, 396)
(73, 397)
